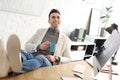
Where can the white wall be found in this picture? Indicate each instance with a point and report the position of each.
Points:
(16, 20)
(24, 17)
(22, 25)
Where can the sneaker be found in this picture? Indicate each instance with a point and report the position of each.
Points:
(4, 64)
(13, 53)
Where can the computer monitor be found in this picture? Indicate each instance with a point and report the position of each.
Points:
(109, 47)
(99, 42)
(78, 34)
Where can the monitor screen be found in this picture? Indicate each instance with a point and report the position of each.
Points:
(99, 42)
(109, 47)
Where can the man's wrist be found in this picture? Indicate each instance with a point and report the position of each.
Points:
(57, 59)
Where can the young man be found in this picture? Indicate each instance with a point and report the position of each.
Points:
(16, 61)
(41, 41)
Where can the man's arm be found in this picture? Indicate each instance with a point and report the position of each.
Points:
(32, 43)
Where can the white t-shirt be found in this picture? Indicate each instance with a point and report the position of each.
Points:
(106, 34)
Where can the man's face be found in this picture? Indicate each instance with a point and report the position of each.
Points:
(54, 20)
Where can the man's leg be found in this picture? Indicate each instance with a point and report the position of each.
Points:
(30, 62)
(30, 65)
(4, 64)
(44, 60)
(19, 60)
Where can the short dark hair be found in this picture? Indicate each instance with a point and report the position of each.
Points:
(111, 28)
(53, 11)
(114, 26)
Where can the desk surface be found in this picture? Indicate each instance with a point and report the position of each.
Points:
(54, 72)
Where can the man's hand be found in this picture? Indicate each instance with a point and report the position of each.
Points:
(51, 58)
(44, 45)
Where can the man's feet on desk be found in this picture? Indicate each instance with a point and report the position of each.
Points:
(10, 60)
(13, 53)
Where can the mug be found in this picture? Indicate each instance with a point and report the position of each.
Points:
(52, 46)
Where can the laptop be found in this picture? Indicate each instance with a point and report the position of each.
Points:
(106, 51)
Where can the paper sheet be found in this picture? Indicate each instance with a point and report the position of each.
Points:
(79, 68)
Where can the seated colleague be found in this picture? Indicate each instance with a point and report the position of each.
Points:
(40, 42)
(15, 62)
(109, 30)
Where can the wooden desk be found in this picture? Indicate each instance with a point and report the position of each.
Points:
(54, 72)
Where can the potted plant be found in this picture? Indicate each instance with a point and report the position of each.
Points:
(105, 18)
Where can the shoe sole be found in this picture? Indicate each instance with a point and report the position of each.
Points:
(4, 64)
(13, 52)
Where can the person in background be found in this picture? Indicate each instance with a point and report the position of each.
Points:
(109, 30)
(50, 42)
(16, 61)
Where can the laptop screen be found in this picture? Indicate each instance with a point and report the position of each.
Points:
(109, 47)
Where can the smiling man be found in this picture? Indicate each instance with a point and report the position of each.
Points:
(50, 42)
